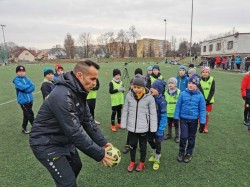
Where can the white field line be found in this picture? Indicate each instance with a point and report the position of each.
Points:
(15, 100)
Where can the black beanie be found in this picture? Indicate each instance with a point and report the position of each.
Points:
(139, 80)
(116, 72)
(20, 68)
(138, 71)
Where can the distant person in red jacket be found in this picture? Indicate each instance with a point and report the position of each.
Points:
(245, 93)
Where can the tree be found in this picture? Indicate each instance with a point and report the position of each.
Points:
(183, 47)
(69, 45)
(133, 35)
(173, 42)
(122, 40)
(85, 40)
(103, 41)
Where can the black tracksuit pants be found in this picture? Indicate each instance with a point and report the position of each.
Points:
(91, 104)
(28, 114)
(116, 109)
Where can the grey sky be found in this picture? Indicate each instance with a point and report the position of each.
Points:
(45, 23)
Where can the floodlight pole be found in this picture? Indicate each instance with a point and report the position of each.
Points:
(191, 35)
(165, 55)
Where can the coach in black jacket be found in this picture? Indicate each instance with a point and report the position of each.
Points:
(58, 127)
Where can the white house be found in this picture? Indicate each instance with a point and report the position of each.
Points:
(236, 44)
(57, 53)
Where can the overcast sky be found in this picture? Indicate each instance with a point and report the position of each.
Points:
(45, 23)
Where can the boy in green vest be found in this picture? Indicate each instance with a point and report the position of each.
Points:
(48, 82)
(207, 88)
(116, 90)
(171, 96)
(91, 100)
(154, 75)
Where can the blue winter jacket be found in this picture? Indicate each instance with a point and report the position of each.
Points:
(24, 88)
(161, 106)
(238, 60)
(182, 82)
(191, 105)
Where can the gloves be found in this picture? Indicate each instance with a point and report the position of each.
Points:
(159, 133)
(201, 128)
(121, 89)
(244, 97)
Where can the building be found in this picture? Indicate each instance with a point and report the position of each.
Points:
(119, 49)
(57, 53)
(23, 55)
(148, 47)
(236, 44)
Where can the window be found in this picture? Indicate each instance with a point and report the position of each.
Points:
(230, 45)
(211, 47)
(218, 46)
(204, 48)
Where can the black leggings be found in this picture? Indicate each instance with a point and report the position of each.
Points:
(91, 103)
(116, 109)
(28, 114)
(154, 142)
(133, 141)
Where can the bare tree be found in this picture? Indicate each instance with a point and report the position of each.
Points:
(133, 35)
(85, 41)
(183, 47)
(103, 41)
(173, 42)
(69, 45)
(122, 40)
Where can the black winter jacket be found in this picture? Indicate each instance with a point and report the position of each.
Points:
(58, 127)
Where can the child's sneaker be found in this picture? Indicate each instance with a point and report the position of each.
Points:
(25, 131)
(152, 158)
(113, 128)
(118, 125)
(131, 167)
(140, 167)
(167, 137)
(156, 165)
(187, 158)
(177, 139)
(97, 122)
(125, 150)
(180, 157)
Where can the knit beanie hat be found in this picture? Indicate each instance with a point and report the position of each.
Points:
(139, 80)
(159, 85)
(191, 65)
(195, 79)
(47, 70)
(116, 72)
(58, 66)
(172, 80)
(156, 67)
(138, 71)
(192, 71)
(20, 68)
(150, 68)
(206, 68)
(183, 67)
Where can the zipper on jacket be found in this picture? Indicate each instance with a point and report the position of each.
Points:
(136, 114)
(27, 93)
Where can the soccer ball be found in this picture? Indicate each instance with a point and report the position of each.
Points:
(115, 153)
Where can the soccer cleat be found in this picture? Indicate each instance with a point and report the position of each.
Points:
(167, 137)
(177, 139)
(156, 165)
(113, 128)
(97, 122)
(140, 167)
(180, 157)
(126, 149)
(152, 158)
(131, 167)
(25, 131)
(187, 158)
(118, 125)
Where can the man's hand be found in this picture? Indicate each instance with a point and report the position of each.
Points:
(107, 145)
(107, 160)
(201, 128)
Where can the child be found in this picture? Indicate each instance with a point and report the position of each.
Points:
(48, 82)
(138, 117)
(58, 71)
(24, 88)
(157, 89)
(149, 72)
(155, 75)
(116, 90)
(207, 88)
(182, 79)
(91, 100)
(191, 71)
(245, 93)
(171, 96)
(190, 107)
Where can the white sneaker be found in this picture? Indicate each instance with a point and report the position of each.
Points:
(97, 122)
